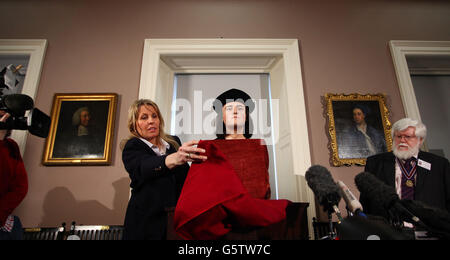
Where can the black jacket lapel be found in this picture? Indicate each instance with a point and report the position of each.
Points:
(422, 174)
(390, 169)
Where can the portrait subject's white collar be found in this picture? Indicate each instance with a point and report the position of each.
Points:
(362, 127)
(82, 130)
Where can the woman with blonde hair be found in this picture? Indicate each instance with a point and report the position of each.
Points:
(157, 165)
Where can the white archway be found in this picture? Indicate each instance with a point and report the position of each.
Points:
(36, 50)
(163, 58)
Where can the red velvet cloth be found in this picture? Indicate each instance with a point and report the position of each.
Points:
(13, 178)
(250, 161)
(214, 200)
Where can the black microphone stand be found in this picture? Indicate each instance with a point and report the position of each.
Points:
(332, 235)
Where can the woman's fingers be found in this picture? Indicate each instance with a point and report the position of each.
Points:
(188, 147)
(194, 150)
(190, 157)
(189, 144)
(189, 152)
(196, 157)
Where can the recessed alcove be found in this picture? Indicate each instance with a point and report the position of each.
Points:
(165, 58)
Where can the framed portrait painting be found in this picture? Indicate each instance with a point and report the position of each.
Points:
(358, 126)
(82, 129)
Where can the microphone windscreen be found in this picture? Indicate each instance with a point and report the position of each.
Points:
(18, 103)
(376, 190)
(360, 228)
(436, 218)
(40, 123)
(322, 184)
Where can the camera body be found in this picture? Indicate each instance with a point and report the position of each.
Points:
(37, 122)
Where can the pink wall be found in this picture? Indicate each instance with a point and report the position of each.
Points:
(96, 46)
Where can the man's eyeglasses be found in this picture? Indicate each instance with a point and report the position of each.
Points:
(407, 137)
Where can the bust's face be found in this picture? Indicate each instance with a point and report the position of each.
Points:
(234, 114)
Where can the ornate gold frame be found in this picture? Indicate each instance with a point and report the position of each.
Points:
(111, 98)
(333, 145)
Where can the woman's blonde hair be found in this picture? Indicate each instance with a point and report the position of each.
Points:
(133, 114)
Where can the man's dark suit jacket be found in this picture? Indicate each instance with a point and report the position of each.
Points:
(154, 188)
(432, 186)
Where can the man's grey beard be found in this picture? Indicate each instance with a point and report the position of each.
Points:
(404, 155)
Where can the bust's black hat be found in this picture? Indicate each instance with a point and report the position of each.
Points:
(233, 95)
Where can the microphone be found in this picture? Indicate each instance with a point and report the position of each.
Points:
(353, 205)
(37, 122)
(324, 188)
(437, 220)
(385, 196)
(16, 103)
(72, 235)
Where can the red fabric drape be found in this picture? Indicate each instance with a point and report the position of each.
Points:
(13, 178)
(214, 200)
(250, 161)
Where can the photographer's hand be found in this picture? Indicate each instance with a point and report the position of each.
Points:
(3, 117)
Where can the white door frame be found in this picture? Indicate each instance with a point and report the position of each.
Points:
(157, 78)
(36, 50)
(399, 51)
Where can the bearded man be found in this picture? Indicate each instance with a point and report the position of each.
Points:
(416, 175)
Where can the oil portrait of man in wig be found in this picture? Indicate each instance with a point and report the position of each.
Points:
(358, 128)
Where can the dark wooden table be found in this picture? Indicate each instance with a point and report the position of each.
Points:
(293, 227)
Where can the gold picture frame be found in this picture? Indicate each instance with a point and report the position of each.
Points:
(82, 129)
(358, 127)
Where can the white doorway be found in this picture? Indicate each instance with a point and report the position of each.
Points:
(430, 76)
(279, 58)
(196, 92)
(29, 53)
(423, 73)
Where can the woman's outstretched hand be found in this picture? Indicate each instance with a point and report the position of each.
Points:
(188, 152)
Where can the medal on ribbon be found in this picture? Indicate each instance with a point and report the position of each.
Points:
(409, 174)
(410, 183)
